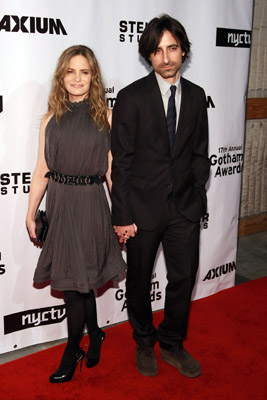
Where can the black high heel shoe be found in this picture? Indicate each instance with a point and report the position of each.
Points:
(66, 375)
(93, 354)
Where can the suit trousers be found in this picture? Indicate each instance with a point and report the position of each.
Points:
(180, 242)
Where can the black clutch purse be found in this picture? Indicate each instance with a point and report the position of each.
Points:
(41, 226)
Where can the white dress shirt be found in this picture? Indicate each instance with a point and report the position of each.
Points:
(164, 87)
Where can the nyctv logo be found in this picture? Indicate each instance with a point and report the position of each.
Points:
(233, 38)
(34, 318)
(26, 24)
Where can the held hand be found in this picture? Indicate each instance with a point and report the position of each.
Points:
(125, 232)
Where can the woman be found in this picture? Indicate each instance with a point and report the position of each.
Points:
(81, 251)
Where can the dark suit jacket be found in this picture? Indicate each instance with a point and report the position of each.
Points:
(143, 168)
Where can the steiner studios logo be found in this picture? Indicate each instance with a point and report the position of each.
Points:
(33, 318)
(14, 182)
(131, 31)
(233, 38)
(13, 23)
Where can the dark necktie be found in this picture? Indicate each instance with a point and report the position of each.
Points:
(171, 116)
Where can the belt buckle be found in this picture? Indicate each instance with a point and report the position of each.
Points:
(68, 180)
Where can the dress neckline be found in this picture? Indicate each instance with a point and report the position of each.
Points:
(76, 104)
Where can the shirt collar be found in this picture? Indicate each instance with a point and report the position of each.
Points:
(164, 86)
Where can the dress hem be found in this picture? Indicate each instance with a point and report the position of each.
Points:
(82, 288)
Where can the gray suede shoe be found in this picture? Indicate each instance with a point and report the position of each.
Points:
(146, 362)
(183, 361)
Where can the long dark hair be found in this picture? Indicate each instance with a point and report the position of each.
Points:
(153, 32)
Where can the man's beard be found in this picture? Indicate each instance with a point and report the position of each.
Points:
(168, 73)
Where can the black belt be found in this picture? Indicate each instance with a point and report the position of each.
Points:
(75, 180)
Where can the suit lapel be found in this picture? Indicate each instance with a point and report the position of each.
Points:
(184, 114)
(154, 99)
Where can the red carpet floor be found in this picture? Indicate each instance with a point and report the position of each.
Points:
(227, 334)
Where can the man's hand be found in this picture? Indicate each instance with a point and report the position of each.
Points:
(125, 232)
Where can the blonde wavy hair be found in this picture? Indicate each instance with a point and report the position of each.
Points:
(58, 101)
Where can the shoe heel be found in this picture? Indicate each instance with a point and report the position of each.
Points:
(65, 375)
(91, 362)
(81, 360)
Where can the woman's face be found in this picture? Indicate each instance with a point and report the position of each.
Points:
(78, 78)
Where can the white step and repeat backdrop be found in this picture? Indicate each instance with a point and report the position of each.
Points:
(32, 36)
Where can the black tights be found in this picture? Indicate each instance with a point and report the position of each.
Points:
(81, 311)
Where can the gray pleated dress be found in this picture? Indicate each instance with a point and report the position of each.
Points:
(81, 251)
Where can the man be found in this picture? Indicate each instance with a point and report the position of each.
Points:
(160, 167)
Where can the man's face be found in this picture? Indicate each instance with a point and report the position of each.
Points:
(167, 59)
